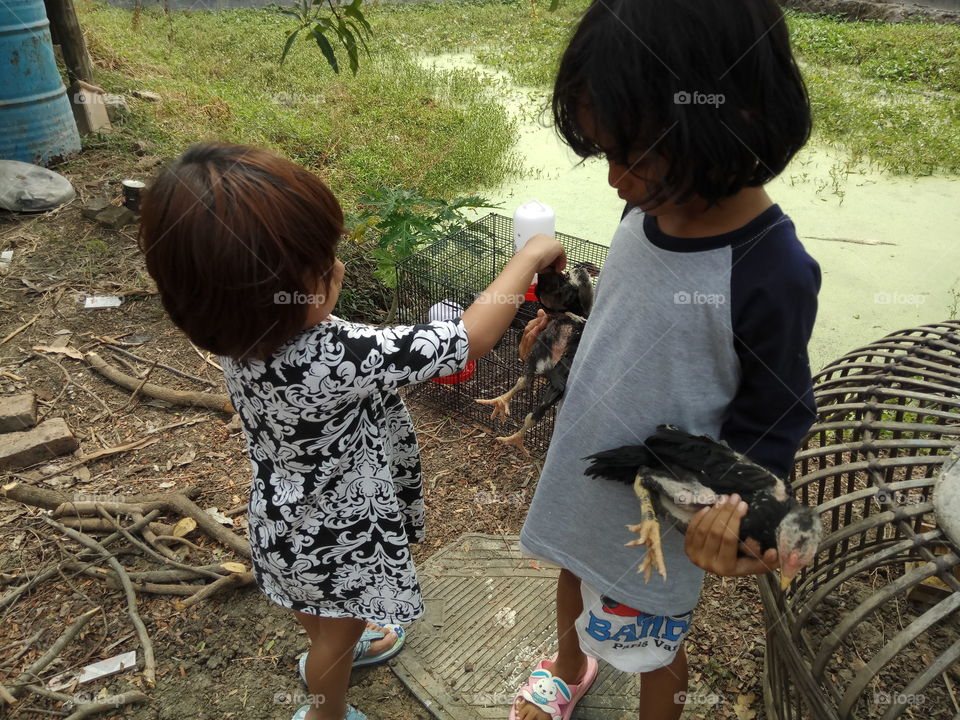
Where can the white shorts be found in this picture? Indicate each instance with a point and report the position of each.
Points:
(630, 640)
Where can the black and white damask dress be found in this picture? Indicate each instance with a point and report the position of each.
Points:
(336, 496)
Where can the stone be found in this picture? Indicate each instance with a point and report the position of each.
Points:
(89, 108)
(147, 95)
(94, 206)
(115, 217)
(18, 412)
(31, 188)
(116, 106)
(49, 439)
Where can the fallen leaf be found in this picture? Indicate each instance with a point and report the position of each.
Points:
(186, 458)
(184, 526)
(51, 350)
(165, 485)
(234, 567)
(742, 708)
(219, 516)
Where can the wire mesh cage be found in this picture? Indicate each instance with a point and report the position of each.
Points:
(453, 271)
(870, 629)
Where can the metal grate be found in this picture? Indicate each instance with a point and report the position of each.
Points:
(457, 268)
(849, 640)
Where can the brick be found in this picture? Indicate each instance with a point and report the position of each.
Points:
(115, 217)
(94, 206)
(18, 412)
(49, 439)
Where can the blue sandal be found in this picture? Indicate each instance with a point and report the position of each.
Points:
(360, 657)
(352, 713)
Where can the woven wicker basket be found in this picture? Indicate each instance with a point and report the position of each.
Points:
(863, 633)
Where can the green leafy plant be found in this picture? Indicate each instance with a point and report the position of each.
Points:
(404, 221)
(322, 20)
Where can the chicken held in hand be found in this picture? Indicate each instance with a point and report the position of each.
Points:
(676, 474)
(566, 298)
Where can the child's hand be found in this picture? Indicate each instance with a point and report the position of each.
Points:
(713, 538)
(546, 252)
(530, 334)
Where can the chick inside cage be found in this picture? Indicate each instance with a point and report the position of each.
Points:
(451, 273)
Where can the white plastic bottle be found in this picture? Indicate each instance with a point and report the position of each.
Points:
(532, 218)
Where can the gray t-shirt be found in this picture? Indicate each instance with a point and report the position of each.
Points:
(708, 334)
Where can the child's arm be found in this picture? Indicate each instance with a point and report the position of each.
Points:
(488, 318)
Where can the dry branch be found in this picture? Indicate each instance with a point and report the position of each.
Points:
(214, 401)
(107, 704)
(178, 502)
(32, 672)
(149, 662)
(230, 581)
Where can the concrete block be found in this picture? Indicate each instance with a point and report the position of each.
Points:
(18, 412)
(115, 217)
(89, 108)
(94, 206)
(49, 439)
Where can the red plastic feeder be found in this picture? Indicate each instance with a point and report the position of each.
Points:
(459, 377)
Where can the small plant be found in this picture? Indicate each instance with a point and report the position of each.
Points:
(955, 301)
(404, 221)
(321, 21)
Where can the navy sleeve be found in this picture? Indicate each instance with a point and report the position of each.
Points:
(773, 287)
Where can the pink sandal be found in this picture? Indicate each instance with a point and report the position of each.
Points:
(551, 694)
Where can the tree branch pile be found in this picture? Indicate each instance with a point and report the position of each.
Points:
(131, 524)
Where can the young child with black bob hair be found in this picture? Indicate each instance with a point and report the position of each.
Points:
(242, 245)
(703, 312)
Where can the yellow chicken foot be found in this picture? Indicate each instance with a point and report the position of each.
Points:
(649, 531)
(501, 404)
(517, 438)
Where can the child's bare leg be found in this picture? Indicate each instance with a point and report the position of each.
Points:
(662, 690)
(571, 663)
(332, 641)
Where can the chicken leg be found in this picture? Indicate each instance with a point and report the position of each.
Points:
(517, 438)
(649, 531)
(501, 404)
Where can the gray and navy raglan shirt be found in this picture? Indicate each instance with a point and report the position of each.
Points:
(708, 334)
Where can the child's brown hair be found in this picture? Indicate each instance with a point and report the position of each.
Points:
(231, 234)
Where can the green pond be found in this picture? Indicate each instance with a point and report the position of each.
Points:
(887, 245)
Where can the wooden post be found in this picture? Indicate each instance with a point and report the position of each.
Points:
(66, 31)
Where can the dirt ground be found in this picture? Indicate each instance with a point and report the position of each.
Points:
(232, 656)
(235, 654)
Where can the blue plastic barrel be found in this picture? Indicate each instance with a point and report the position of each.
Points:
(36, 121)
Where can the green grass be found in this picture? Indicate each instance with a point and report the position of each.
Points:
(394, 124)
(888, 94)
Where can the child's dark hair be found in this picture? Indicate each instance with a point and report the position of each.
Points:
(231, 234)
(708, 86)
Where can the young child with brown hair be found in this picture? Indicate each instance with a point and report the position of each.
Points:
(242, 245)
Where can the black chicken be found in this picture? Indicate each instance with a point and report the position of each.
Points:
(676, 474)
(567, 299)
